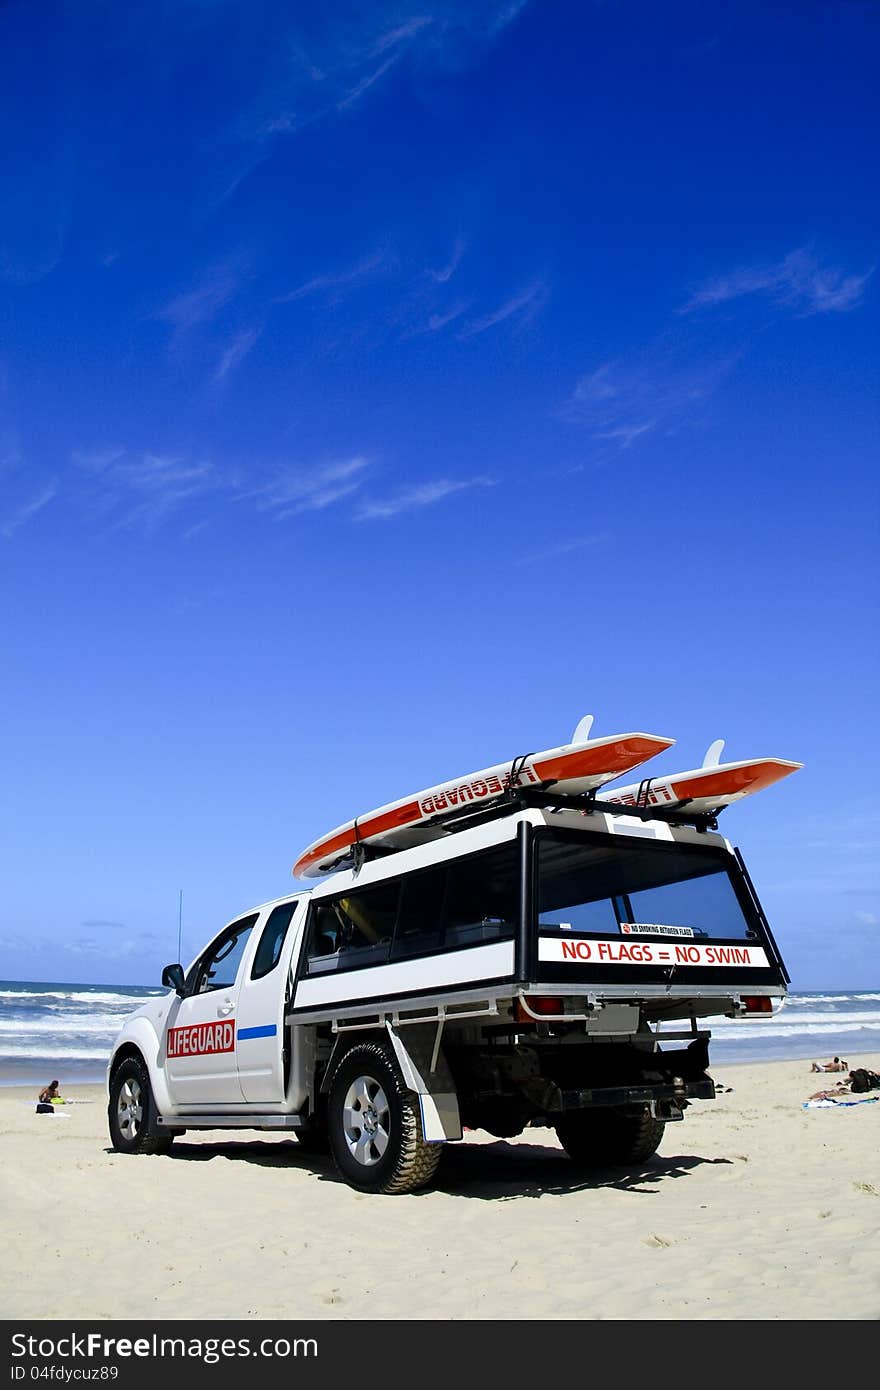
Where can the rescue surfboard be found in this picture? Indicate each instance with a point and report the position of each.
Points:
(708, 788)
(571, 769)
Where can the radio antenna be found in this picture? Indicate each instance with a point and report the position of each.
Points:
(179, 920)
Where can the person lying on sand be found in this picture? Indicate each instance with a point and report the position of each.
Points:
(841, 1089)
(834, 1065)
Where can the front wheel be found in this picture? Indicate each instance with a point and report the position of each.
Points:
(131, 1111)
(374, 1124)
(604, 1138)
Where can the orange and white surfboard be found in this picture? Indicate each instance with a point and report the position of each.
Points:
(708, 788)
(572, 769)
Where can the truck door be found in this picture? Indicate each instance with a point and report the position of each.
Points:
(200, 1050)
(262, 997)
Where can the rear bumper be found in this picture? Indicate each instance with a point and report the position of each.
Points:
(662, 1095)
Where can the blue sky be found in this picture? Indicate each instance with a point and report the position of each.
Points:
(385, 386)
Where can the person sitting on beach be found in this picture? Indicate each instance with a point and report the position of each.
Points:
(48, 1099)
(834, 1065)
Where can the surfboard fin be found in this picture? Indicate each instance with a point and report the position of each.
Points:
(713, 753)
(582, 732)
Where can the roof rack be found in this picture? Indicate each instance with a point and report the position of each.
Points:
(523, 798)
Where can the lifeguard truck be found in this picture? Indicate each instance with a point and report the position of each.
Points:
(502, 950)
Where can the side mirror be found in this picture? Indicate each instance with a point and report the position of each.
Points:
(174, 978)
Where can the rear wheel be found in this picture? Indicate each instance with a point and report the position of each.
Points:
(131, 1111)
(374, 1124)
(603, 1138)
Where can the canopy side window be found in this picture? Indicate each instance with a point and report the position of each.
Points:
(352, 931)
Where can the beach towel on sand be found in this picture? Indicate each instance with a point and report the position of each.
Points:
(820, 1104)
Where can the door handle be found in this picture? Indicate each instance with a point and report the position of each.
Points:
(226, 1008)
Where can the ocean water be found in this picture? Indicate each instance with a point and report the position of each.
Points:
(65, 1031)
(61, 1031)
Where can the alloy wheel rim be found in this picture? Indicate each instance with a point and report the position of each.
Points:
(366, 1121)
(130, 1109)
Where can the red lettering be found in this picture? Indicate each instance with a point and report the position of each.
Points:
(661, 792)
(687, 955)
(199, 1039)
(575, 950)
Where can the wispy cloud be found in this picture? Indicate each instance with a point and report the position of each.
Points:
(322, 284)
(799, 281)
(414, 499)
(435, 322)
(329, 75)
(446, 272)
(146, 488)
(294, 490)
(622, 401)
(203, 302)
(564, 548)
(349, 54)
(667, 385)
(395, 43)
(506, 14)
(523, 306)
(29, 509)
(97, 460)
(236, 352)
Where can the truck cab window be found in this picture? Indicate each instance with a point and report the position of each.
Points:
(217, 968)
(272, 939)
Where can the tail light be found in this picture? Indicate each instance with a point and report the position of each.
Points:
(757, 1003)
(542, 1005)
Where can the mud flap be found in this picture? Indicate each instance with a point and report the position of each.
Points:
(435, 1089)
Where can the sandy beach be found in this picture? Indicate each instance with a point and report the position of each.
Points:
(753, 1208)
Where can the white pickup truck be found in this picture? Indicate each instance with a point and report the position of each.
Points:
(550, 964)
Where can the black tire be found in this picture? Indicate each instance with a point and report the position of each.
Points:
(374, 1124)
(131, 1111)
(605, 1138)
